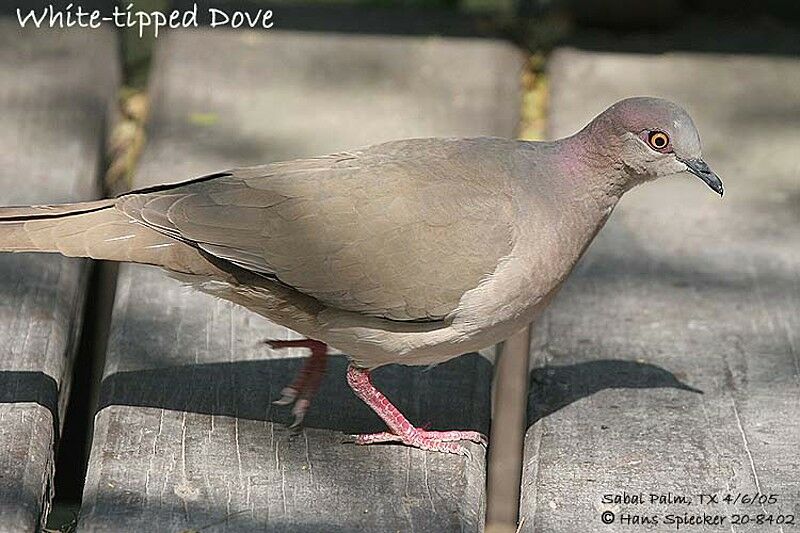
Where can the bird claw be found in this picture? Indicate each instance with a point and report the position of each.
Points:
(476, 437)
(307, 381)
(288, 396)
(299, 411)
(436, 441)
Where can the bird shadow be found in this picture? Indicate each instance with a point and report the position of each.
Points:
(554, 387)
(453, 395)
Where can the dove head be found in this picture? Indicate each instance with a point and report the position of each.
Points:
(648, 138)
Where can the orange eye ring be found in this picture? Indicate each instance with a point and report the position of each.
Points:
(658, 140)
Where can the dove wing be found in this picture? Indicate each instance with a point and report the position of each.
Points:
(399, 231)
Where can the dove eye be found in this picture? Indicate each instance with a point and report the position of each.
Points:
(658, 140)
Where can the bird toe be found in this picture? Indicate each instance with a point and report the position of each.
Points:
(288, 396)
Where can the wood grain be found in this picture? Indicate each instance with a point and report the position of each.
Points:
(186, 436)
(680, 290)
(55, 92)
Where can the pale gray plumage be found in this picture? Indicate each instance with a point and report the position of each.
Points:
(407, 252)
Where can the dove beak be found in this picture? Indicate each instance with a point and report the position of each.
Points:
(699, 168)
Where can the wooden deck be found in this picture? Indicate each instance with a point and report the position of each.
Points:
(55, 91)
(669, 363)
(186, 435)
(680, 291)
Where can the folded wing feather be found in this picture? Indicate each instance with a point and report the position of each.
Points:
(381, 231)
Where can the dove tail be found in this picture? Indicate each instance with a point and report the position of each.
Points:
(97, 230)
(30, 228)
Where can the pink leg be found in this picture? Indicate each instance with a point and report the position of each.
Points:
(308, 380)
(400, 429)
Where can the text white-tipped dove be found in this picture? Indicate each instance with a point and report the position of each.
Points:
(409, 252)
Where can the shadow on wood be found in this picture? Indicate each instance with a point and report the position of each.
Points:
(31, 387)
(555, 387)
(440, 398)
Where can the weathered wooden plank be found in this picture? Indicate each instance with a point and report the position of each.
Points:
(55, 90)
(680, 290)
(186, 435)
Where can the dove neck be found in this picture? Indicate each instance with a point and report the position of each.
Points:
(598, 150)
(597, 176)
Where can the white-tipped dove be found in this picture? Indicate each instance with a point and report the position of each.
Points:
(410, 252)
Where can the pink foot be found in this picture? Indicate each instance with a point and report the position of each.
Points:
(400, 429)
(308, 380)
(440, 441)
